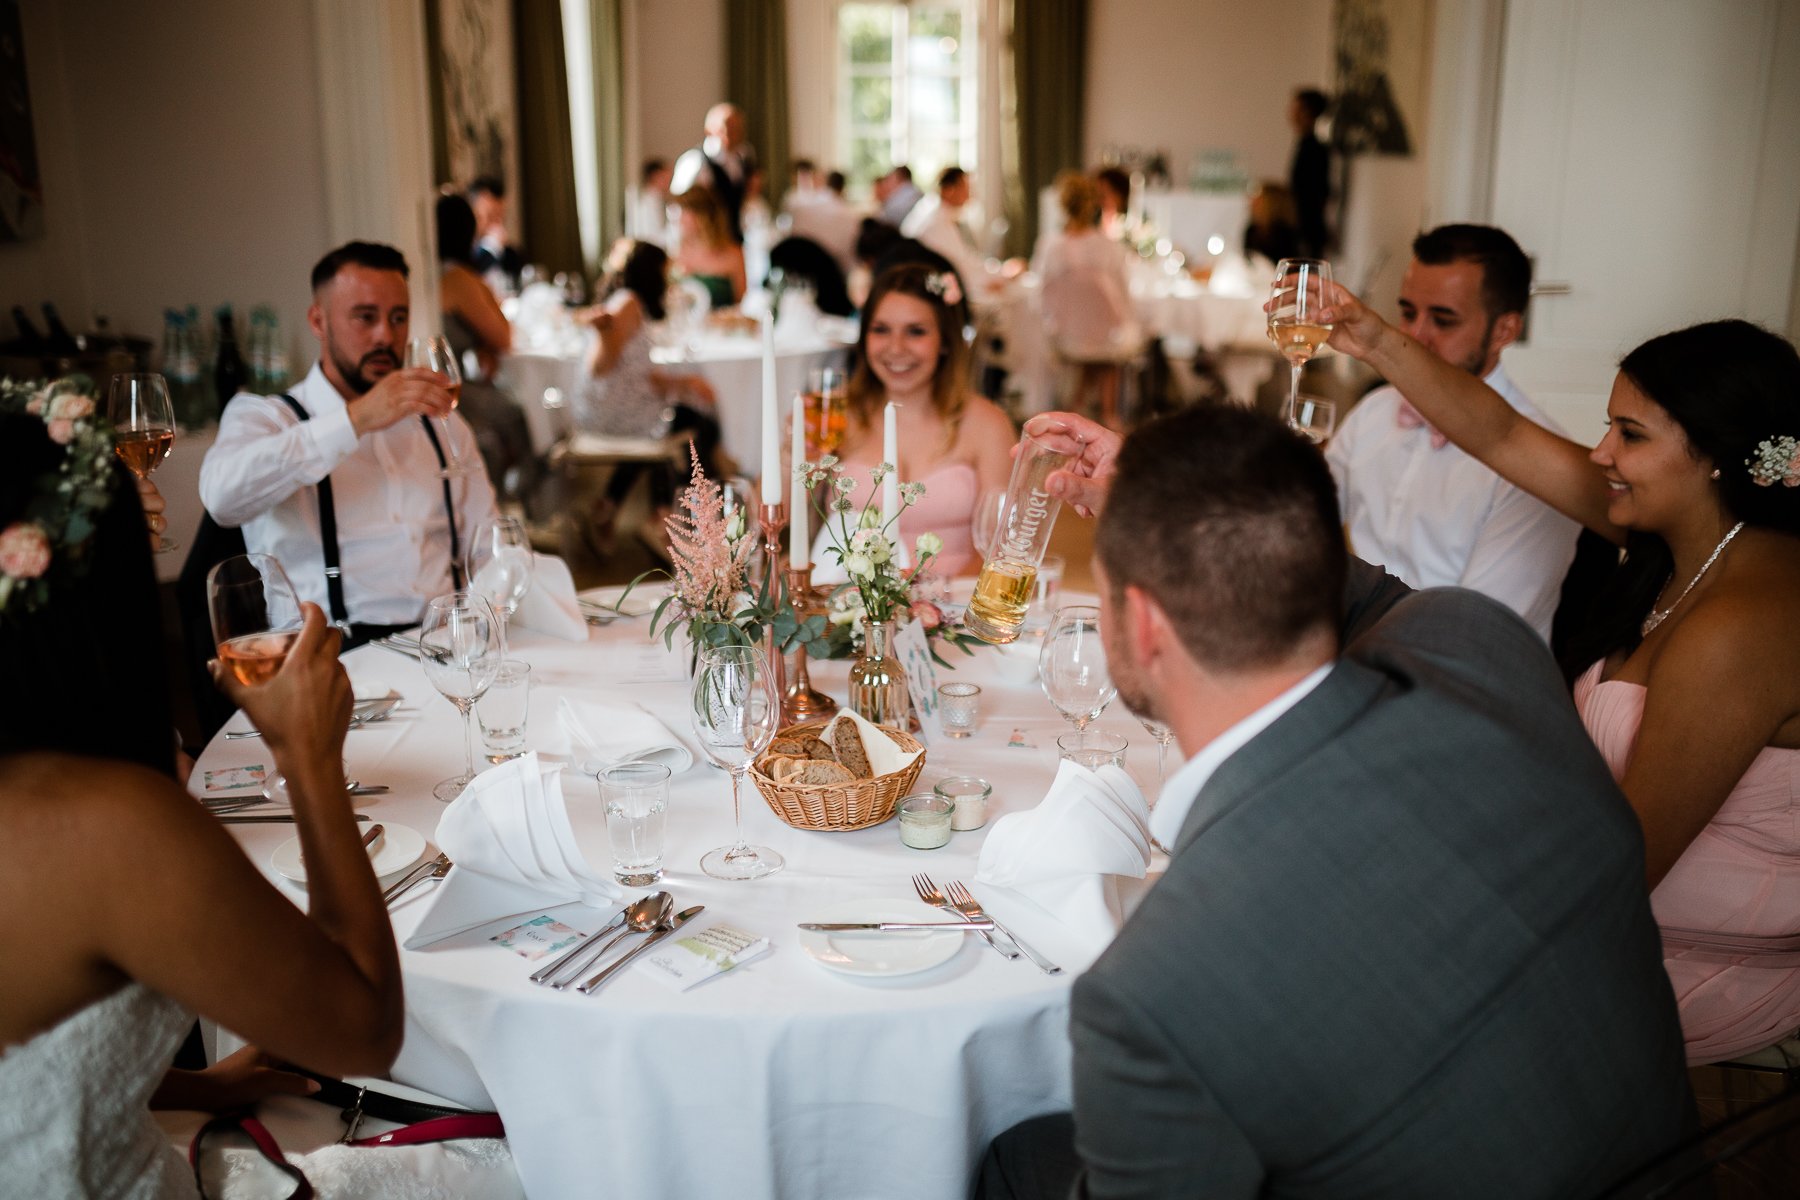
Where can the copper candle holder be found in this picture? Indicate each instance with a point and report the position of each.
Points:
(772, 519)
(801, 702)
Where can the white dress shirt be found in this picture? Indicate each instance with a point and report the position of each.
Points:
(393, 537)
(937, 226)
(1437, 518)
(1183, 788)
(693, 166)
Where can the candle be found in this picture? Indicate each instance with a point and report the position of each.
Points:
(890, 454)
(799, 531)
(771, 428)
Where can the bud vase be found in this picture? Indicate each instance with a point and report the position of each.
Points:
(877, 679)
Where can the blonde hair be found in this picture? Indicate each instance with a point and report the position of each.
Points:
(1079, 197)
(709, 214)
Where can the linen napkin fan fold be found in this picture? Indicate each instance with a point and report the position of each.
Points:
(599, 735)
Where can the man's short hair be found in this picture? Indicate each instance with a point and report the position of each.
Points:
(950, 177)
(836, 182)
(803, 164)
(1313, 101)
(1228, 520)
(373, 255)
(903, 173)
(487, 185)
(1505, 271)
(652, 166)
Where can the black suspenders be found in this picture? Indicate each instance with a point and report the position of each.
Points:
(334, 573)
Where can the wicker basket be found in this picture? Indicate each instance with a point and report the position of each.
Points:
(839, 806)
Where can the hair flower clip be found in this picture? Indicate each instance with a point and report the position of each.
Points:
(1777, 460)
(945, 287)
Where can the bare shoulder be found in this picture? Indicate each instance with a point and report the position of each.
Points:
(983, 421)
(52, 804)
(1742, 630)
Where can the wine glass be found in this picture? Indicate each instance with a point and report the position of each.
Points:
(1163, 735)
(436, 354)
(143, 426)
(1295, 300)
(459, 645)
(1315, 419)
(1072, 666)
(499, 564)
(255, 620)
(736, 711)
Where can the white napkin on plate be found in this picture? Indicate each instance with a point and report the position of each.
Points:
(514, 850)
(885, 754)
(604, 735)
(549, 605)
(1063, 854)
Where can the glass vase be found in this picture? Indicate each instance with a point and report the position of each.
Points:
(878, 681)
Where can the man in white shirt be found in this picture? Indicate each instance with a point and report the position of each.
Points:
(1428, 512)
(723, 162)
(376, 439)
(936, 223)
(826, 217)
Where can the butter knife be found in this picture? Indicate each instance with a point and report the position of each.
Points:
(885, 926)
(676, 922)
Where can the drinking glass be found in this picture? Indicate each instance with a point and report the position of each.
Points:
(255, 619)
(1314, 418)
(635, 797)
(459, 645)
(736, 711)
(1027, 515)
(436, 354)
(1296, 298)
(1093, 748)
(498, 566)
(827, 412)
(1163, 735)
(1072, 666)
(143, 426)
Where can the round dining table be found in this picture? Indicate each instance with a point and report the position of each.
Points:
(781, 1077)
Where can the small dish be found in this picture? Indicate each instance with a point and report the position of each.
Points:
(401, 847)
(875, 954)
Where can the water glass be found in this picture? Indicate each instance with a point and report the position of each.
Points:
(635, 796)
(959, 707)
(502, 710)
(1049, 582)
(1093, 748)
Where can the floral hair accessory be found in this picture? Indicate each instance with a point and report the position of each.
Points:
(1777, 460)
(945, 287)
(66, 504)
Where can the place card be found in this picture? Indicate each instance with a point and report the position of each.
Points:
(914, 652)
(231, 779)
(1021, 740)
(539, 936)
(698, 957)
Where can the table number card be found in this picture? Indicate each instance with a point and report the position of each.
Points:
(921, 678)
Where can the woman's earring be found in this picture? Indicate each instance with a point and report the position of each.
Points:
(1715, 473)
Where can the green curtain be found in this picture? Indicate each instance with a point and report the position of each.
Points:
(756, 81)
(607, 33)
(546, 201)
(1049, 51)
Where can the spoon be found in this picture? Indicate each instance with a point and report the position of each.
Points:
(668, 926)
(643, 916)
(581, 947)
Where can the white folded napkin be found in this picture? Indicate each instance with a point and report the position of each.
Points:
(549, 605)
(885, 755)
(1063, 854)
(515, 852)
(604, 735)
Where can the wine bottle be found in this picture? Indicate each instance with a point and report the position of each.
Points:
(229, 372)
(57, 337)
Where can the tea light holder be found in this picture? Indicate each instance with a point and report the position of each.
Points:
(969, 795)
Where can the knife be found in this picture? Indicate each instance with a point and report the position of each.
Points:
(885, 926)
(676, 922)
(374, 831)
(270, 819)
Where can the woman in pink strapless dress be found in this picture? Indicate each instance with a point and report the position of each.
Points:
(1693, 693)
(911, 353)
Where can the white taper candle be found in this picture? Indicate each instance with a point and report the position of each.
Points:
(799, 527)
(771, 419)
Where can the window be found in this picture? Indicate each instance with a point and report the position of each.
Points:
(907, 88)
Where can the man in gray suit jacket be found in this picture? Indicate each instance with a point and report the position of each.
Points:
(1403, 946)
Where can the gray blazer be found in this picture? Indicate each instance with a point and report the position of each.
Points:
(1403, 946)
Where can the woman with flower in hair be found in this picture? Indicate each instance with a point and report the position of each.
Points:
(911, 353)
(1692, 686)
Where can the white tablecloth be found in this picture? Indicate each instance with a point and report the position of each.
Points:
(780, 1079)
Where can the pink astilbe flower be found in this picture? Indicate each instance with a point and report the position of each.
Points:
(709, 566)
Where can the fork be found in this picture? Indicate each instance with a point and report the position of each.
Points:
(437, 868)
(928, 892)
(965, 903)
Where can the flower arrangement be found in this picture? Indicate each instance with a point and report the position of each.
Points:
(1777, 460)
(61, 516)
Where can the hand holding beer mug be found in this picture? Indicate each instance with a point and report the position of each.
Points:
(1009, 574)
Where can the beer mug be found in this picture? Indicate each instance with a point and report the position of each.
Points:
(1009, 575)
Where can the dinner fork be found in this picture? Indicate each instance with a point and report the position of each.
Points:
(928, 892)
(436, 868)
(965, 903)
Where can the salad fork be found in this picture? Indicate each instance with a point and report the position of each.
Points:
(929, 893)
(964, 902)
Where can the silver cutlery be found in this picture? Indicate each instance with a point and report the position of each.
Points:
(965, 903)
(435, 868)
(587, 943)
(890, 926)
(272, 819)
(363, 712)
(642, 915)
(668, 926)
(375, 831)
(929, 893)
(409, 649)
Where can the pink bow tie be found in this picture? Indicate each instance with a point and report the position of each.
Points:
(1407, 417)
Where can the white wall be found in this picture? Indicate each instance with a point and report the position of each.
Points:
(680, 72)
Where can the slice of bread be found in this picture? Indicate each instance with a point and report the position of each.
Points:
(846, 739)
(783, 768)
(789, 746)
(818, 772)
(817, 748)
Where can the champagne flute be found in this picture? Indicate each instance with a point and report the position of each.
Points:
(255, 618)
(436, 354)
(1163, 735)
(1072, 666)
(1296, 298)
(499, 564)
(736, 711)
(459, 645)
(143, 426)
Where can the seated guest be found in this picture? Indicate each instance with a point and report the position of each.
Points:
(91, 1017)
(647, 219)
(706, 253)
(880, 248)
(802, 260)
(1115, 200)
(1692, 687)
(937, 222)
(1422, 508)
(1087, 296)
(911, 353)
(895, 195)
(1401, 885)
(370, 435)
(490, 251)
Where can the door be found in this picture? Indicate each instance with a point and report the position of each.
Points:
(1646, 157)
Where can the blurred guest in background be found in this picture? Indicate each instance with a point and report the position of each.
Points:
(722, 162)
(648, 217)
(937, 222)
(492, 251)
(1087, 296)
(1115, 199)
(827, 218)
(1274, 230)
(1309, 174)
(707, 252)
(896, 193)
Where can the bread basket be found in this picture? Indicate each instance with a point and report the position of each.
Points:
(839, 806)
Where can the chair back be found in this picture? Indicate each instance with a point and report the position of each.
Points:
(212, 544)
(1088, 313)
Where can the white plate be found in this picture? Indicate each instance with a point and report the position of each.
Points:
(875, 953)
(399, 848)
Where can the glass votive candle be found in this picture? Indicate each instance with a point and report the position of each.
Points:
(925, 821)
(1093, 749)
(969, 794)
(959, 706)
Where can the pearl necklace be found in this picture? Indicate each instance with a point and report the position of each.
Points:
(1658, 616)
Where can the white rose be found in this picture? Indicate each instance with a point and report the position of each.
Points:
(928, 544)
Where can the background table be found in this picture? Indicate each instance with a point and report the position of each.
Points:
(780, 1079)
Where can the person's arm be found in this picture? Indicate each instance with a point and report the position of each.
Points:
(1520, 555)
(469, 299)
(1474, 416)
(739, 284)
